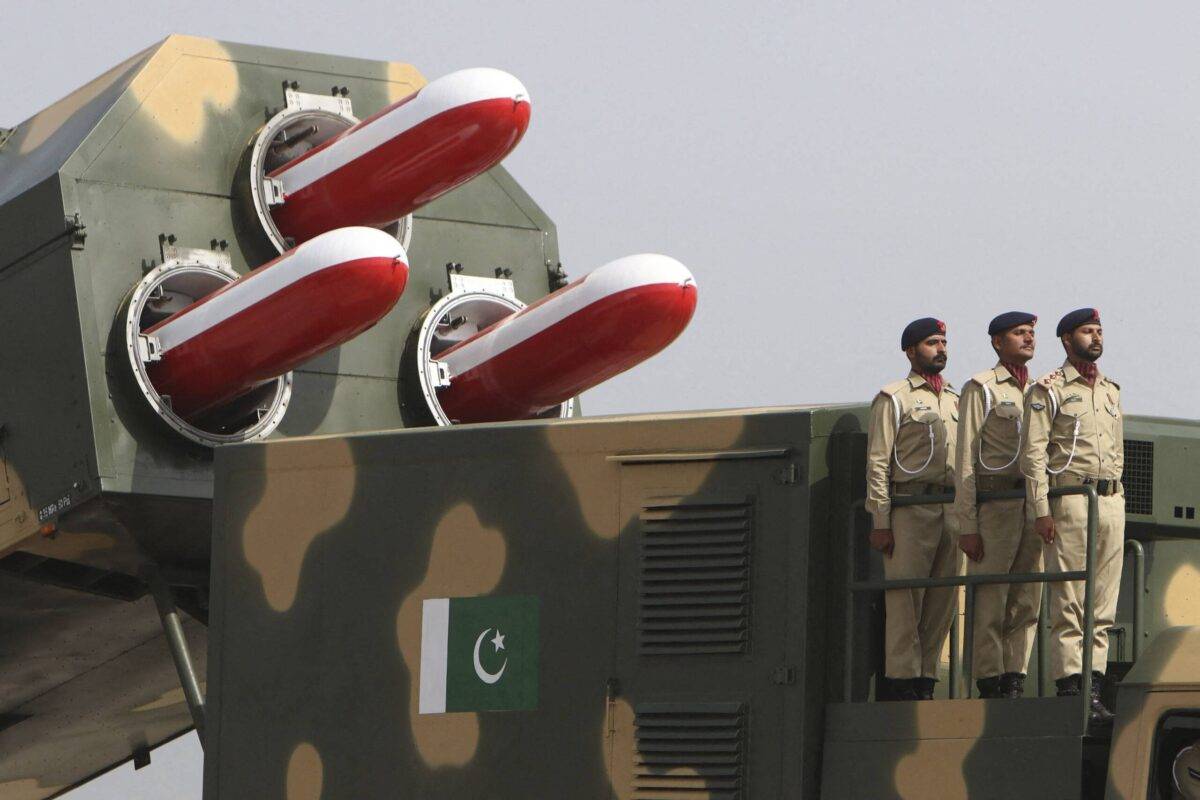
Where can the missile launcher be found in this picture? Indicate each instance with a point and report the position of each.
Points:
(213, 244)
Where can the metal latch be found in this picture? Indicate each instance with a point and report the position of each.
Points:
(788, 476)
(439, 374)
(274, 190)
(783, 676)
(149, 348)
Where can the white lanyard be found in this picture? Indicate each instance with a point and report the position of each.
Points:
(1074, 439)
(896, 453)
(987, 410)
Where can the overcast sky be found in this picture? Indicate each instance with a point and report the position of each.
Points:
(828, 172)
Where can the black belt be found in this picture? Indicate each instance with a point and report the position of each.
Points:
(921, 488)
(1105, 487)
(997, 483)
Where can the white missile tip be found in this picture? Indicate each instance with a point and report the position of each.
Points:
(474, 84)
(345, 244)
(643, 269)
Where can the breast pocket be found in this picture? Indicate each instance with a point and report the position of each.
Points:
(1069, 422)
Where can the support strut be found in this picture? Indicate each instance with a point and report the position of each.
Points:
(177, 642)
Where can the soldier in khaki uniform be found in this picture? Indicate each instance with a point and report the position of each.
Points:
(1074, 436)
(998, 536)
(910, 442)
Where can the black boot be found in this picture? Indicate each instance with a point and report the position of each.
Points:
(1070, 686)
(1012, 685)
(924, 687)
(1100, 714)
(989, 688)
(901, 689)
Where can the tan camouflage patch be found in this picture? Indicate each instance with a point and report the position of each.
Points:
(305, 773)
(168, 699)
(465, 560)
(1181, 596)
(939, 762)
(26, 789)
(310, 493)
(202, 82)
(403, 80)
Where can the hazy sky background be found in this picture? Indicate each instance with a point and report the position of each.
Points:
(827, 171)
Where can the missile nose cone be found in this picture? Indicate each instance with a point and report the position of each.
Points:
(405, 156)
(585, 333)
(288, 311)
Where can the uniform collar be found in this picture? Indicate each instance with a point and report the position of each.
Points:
(1072, 374)
(1002, 373)
(916, 381)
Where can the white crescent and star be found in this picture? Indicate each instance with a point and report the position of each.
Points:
(498, 642)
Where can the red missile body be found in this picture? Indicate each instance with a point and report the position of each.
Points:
(406, 155)
(585, 333)
(308, 300)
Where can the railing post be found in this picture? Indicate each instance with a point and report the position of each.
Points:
(969, 640)
(1139, 593)
(851, 535)
(1043, 641)
(955, 652)
(1089, 601)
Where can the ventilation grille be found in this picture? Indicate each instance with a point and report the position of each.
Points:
(694, 584)
(1138, 477)
(689, 751)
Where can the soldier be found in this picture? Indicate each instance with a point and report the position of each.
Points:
(1073, 436)
(998, 535)
(911, 437)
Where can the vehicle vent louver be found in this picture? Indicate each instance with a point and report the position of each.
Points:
(689, 751)
(1138, 477)
(694, 575)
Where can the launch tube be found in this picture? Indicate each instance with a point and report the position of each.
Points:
(406, 155)
(581, 335)
(305, 302)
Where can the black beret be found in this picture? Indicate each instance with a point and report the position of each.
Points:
(1010, 319)
(919, 330)
(1080, 316)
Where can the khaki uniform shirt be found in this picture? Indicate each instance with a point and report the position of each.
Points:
(909, 441)
(1071, 428)
(989, 438)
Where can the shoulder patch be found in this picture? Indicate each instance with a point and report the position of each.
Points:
(987, 376)
(892, 388)
(1049, 378)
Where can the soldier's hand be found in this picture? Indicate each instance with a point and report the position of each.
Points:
(883, 541)
(972, 545)
(1044, 527)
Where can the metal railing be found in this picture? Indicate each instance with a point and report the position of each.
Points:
(971, 582)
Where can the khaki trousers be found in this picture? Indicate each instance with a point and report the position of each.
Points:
(1069, 552)
(1006, 615)
(918, 620)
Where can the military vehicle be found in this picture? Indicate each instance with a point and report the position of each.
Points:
(349, 593)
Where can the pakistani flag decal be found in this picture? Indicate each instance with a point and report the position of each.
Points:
(479, 654)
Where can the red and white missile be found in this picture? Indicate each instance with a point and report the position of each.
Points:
(581, 335)
(408, 154)
(308, 300)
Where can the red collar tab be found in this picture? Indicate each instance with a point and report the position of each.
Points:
(1020, 372)
(1087, 370)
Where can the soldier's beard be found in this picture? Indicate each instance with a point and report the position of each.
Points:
(1085, 352)
(932, 366)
